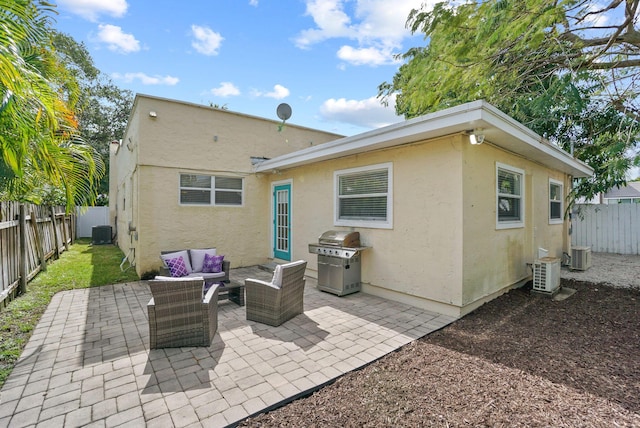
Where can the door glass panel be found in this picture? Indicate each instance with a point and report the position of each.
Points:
(282, 221)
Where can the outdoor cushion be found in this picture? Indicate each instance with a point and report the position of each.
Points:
(277, 277)
(212, 264)
(207, 275)
(177, 267)
(183, 254)
(178, 279)
(197, 257)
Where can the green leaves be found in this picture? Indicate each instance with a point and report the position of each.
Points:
(528, 58)
(42, 153)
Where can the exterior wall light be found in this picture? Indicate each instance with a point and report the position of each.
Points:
(153, 114)
(476, 137)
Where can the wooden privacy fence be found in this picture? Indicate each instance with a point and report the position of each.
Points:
(613, 228)
(29, 236)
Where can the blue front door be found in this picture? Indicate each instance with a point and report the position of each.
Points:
(282, 221)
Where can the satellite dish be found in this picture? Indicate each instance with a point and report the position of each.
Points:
(284, 111)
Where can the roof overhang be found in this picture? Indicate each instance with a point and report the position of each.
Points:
(499, 129)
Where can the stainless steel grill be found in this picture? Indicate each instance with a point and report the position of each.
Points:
(338, 261)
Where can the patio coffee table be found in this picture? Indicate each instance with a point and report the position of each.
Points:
(233, 291)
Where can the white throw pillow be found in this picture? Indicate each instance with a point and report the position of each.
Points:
(277, 277)
(184, 256)
(197, 258)
(180, 278)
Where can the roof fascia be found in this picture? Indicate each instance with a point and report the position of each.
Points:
(500, 130)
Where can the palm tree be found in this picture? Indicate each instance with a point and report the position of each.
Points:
(38, 131)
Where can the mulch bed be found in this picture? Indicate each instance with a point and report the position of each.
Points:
(519, 360)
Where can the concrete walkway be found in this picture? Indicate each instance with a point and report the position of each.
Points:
(88, 363)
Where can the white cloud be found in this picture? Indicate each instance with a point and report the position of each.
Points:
(145, 79)
(330, 19)
(226, 89)
(365, 56)
(279, 92)
(92, 9)
(253, 3)
(367, 113)
(374, 24)
(207, 41)
(116, 40)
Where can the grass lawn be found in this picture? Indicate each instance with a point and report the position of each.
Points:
(83, 266)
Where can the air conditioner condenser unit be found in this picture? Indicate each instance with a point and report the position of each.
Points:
(580, 258)
(546, 275)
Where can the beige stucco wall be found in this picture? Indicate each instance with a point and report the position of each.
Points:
(498, 258)
(193, 139)
(420, 258)
(123, 189)
(444, 252)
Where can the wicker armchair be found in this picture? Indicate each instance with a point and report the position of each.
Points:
(179, 315)
(273, 304)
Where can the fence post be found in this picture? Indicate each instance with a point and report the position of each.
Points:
(23, 250)
(74, 219)
(64, 232)
(39, 243)
(55, 231)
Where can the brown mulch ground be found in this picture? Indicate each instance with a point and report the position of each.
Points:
(520, 360)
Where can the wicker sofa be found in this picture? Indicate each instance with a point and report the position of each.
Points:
(277, 301)
(194, 259)
(179, 315)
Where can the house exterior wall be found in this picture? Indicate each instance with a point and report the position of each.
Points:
(496, 259)
(444, 252)
(193, 139)
(122, 191)
(419, 260)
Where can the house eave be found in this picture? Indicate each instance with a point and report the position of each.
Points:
(499, 129)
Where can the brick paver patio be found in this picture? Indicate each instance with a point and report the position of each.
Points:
(88, 363)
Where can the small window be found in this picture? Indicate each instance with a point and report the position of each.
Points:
(210, 190)
(510, 197)
(556, 196)
(363, 196)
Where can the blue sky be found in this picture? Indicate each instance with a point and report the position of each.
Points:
(325, 58)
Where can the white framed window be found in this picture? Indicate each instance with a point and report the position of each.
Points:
(509, 197)
(556, 197)
(196, 189)
(363, 196)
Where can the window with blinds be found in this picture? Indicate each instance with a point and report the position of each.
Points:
(363, 196)
(510, 189)
(555, 201)
(210, 190)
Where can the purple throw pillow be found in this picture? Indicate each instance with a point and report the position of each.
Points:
(177, 267)
(212, 264)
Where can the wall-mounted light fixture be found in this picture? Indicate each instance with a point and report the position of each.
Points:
(476, 136)
(153, 114)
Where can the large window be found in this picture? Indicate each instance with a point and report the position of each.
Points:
(555, 201)
(363, 196)
(210, 190)
(510, 197)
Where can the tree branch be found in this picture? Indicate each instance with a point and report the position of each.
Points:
(614, 4)
(611, 64)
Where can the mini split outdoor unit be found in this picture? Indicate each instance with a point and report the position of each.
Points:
(580, 258)
(546, 274)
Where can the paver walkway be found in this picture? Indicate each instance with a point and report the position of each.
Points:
(88, 363)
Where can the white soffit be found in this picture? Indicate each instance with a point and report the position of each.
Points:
(498, 128)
